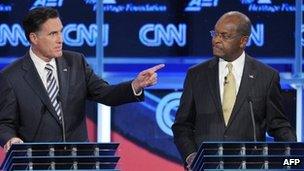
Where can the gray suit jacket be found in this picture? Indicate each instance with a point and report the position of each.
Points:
(200, 116)
(26, 110)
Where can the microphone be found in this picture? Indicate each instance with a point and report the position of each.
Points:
(252, 119)
(60, 101)
(225, 80)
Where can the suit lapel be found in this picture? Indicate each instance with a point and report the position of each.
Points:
(247, 81)
(33, 79)
(213, 80)
(63, 75)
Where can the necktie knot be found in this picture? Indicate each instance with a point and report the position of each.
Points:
(229, 66)
(49, 67)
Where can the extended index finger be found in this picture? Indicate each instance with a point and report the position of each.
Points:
(155, 68)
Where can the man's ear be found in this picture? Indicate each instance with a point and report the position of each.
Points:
(33, 38)
(244, 41)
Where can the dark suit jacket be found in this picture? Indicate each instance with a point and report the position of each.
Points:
(26, 110)
(200, 116)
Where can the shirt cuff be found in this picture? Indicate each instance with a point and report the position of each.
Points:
(136, 94)
(190, 157)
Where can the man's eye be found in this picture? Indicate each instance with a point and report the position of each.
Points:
(225, 36)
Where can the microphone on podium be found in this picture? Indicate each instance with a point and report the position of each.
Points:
(252, 119)
(60, 101)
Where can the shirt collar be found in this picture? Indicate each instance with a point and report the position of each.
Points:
(238, 63)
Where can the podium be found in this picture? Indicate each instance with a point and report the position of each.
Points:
(249, 156)
(61, 156)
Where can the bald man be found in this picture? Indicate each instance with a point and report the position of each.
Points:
(218, 94)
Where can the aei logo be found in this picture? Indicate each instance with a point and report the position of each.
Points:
(47, 3)
(197, 5)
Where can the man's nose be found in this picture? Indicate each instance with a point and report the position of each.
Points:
(216, 39)
(60, 39)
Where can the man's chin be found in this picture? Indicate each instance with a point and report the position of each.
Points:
(217, 53)
(218, 56)
(225, 58)
(58, 55)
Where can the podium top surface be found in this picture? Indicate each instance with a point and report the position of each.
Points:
(60, 145)
(252, 144)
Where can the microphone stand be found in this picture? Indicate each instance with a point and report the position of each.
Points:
(253, 121)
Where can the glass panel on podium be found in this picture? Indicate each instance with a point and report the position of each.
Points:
(61, 156)
(249, 155)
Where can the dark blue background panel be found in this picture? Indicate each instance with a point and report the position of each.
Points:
(155, 28)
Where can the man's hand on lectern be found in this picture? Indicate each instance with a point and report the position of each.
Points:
(9, 143)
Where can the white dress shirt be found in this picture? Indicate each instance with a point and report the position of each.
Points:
(40, 66)
(237, 70)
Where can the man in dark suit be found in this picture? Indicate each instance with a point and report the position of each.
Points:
(43, 94)
(218, 94)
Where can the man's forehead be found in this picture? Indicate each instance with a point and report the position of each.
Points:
(227, 23)
(51, 23)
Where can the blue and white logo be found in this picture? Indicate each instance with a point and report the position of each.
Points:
(5, 8)
(104, 1)
(258, 1)
(267, 6)
(154, 35)
(257, 35)
(79, 34)
(74, 34)
(113, 6)
(197, 5)
(12, 35)
(264, 1)
(47, 3)
(165, 111)
(94, 2)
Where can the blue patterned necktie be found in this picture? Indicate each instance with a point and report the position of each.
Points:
(52, 89)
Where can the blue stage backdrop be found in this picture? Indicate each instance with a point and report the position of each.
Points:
(155, 28)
